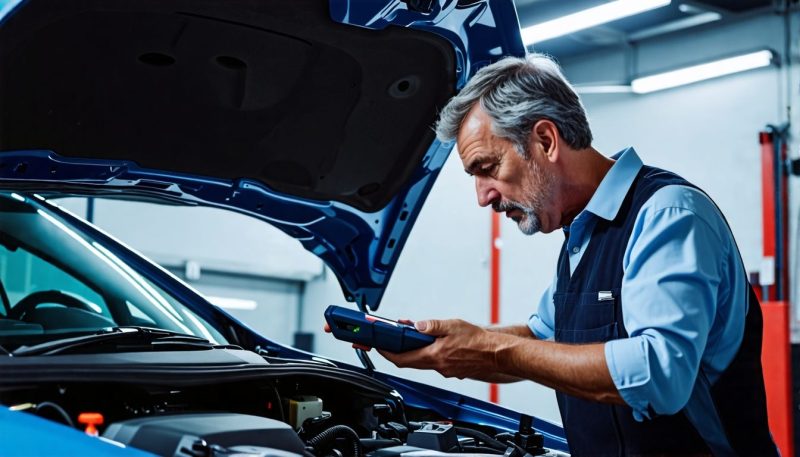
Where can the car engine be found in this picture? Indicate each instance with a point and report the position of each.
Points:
(283, 409)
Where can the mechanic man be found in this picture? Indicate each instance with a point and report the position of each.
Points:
(650, 332)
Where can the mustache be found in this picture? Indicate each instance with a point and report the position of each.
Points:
(503, 206)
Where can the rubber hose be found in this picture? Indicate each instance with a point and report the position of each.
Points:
(480, 436)
(480, 450)
(327, 437)
(58, 409)
(369, 444)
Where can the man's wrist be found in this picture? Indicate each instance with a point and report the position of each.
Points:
(501, 352)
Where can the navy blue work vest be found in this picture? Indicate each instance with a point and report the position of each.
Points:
(582, 316)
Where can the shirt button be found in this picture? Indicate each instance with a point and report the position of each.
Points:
(576, 250)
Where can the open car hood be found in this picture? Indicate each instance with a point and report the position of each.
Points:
(313, 116)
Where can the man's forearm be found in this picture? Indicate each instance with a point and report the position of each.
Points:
(517, 330)
(496, 378)
(521, 331)
(578, 370)
(465, 350)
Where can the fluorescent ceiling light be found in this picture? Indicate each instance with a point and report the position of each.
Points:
(702, 72)
(603, 89)
(588, 18)
(233, 303)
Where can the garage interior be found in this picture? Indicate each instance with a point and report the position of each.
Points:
(720, 133)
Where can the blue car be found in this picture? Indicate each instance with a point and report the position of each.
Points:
(312, 116)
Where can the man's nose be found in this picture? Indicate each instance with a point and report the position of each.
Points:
(486, 191)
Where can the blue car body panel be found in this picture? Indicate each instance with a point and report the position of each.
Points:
(480, 33)
(31, 436)
(465, 409)
(361, 248)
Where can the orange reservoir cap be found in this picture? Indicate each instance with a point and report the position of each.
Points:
(91, 420)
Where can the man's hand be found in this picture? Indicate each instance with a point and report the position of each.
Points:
(509, 354)
(461, 350)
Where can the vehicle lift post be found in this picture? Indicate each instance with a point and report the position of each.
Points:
(774, 282)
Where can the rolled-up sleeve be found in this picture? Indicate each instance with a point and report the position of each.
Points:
(673, 267)
(542, 321)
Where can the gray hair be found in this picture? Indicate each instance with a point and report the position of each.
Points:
(516, 93)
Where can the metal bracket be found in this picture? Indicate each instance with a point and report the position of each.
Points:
(365, 360)
(361, 301)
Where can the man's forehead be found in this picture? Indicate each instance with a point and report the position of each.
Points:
(473, 128)
(475, 120)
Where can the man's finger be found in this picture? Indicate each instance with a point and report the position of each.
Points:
(327, 328)
(402, 359)
(361, 346)
(434, 327)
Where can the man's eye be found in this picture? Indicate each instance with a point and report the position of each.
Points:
(485, 169)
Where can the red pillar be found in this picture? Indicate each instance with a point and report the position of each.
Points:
(777, 365)
(776, 349)
(494, 289)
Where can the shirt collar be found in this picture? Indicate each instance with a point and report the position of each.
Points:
(608, 197)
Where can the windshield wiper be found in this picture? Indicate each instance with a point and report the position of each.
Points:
(126, 338)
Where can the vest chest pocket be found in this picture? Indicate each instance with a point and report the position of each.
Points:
(586, 317)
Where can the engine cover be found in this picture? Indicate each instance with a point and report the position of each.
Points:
(174, 435)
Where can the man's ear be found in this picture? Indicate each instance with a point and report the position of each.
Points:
(545, 133)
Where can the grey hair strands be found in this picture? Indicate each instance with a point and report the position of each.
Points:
(516, 93)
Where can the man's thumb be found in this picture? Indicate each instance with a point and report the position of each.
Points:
(431, 327)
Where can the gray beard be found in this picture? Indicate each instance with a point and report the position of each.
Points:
(528, 225)
(531, 224)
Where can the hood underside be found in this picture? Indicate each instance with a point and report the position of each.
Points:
(314, 116)
(273, 91)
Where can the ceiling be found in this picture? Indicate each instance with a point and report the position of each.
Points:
(676, 17)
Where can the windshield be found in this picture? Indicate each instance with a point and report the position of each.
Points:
(57, 282)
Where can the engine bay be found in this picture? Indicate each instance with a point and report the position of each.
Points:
(295, 412)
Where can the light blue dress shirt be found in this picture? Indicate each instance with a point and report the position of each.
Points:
(684, 296)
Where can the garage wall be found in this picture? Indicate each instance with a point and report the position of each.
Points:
(267, 305)
(214, 239)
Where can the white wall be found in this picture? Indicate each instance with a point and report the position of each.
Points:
(215, 239)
